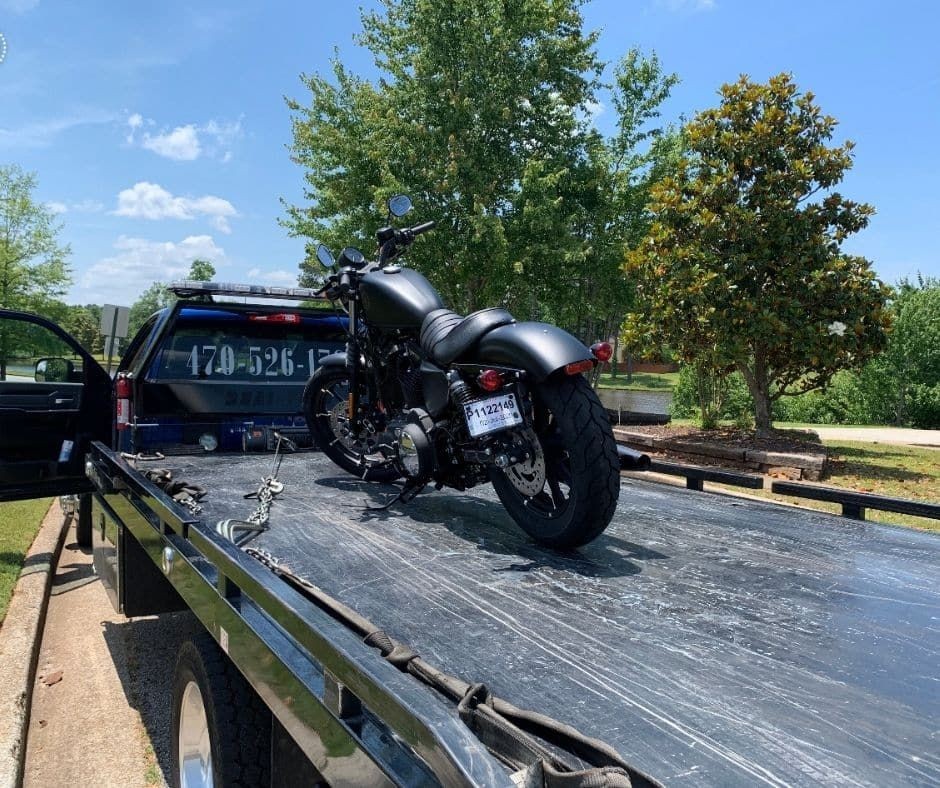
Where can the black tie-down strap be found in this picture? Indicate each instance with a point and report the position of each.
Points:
(532, 743)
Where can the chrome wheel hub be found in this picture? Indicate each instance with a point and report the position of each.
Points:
(195, 750)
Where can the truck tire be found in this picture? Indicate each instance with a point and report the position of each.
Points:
(221, 731)
(83, 522)
(566, 495)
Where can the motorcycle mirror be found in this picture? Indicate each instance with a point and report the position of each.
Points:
(399, 205)
(325, 256)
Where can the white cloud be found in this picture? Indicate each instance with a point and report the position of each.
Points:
(187, 142)
(87, 206)
(134, 122)
(181, 144)
(18, 6)
(83, 206)
(277, 277)
(122, 277)
(145, 200)
(686, 5)
(594, 109)
(40, 134)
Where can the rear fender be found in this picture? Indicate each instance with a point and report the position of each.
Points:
(538, 348)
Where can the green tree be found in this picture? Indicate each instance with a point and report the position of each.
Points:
(157, 297)
(33, 271)
(84, 323)
(153, 299)
(474, 94)
(575, 219)
(201, 271)
(744, 256)
(912, 360)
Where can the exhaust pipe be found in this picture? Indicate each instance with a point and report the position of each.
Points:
(632, 460)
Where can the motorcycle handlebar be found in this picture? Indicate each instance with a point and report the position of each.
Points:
(422, 228)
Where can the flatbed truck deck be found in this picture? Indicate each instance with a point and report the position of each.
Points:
(709, 639)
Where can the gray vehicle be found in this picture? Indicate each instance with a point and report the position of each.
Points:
(287, 685)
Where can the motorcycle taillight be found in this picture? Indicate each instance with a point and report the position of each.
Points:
(490, 380)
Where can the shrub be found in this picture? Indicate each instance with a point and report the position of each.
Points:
(711, 395)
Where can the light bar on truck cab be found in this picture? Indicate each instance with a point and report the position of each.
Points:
(188, 289)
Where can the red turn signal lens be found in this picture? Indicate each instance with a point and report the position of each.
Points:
(602, 351)
(579, 366)
(490, 380)
(280, 317)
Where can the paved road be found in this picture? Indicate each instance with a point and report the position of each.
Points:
(106, 722)
(894, 435)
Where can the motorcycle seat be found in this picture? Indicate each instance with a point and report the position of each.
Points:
(446, 336)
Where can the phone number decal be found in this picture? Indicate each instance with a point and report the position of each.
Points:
(257, 361)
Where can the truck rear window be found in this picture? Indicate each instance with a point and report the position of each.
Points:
(215, 345)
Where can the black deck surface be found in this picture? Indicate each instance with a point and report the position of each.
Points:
(711, 640)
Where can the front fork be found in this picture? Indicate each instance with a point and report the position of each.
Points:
(352, 367)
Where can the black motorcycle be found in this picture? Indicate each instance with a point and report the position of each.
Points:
(439, 398)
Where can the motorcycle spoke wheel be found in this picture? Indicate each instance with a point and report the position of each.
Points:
(581, 468)
(325, 404)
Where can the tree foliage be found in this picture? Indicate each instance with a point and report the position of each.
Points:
(33, 271)
(157, 297)
(743, 261)
(912, 360)
(482, 115)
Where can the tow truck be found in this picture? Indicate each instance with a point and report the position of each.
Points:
(703, 639)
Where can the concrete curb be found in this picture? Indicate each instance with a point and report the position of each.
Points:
(20, 639)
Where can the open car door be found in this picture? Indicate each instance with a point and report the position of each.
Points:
(54, 400)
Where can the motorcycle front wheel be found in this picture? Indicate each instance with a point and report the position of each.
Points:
(325, 408)
(564, 496)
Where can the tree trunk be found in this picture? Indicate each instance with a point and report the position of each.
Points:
(759, 387)
(762, 412)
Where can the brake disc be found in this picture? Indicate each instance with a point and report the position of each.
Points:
(528, 477)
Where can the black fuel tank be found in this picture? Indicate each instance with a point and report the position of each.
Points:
(397, 300)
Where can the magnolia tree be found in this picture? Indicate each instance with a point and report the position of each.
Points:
(743, 261)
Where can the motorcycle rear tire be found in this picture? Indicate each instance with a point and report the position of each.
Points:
(587, 458)
(316, 405)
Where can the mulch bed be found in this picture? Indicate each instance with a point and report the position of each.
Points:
(798, 441)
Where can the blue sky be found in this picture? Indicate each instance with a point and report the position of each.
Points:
(159, 130)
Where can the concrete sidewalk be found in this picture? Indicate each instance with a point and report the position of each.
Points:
(900, 436)
(100, 704)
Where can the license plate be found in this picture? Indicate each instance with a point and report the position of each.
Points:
(491, 415)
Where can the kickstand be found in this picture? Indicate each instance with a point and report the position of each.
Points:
(407, 493)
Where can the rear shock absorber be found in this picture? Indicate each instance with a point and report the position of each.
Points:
(460, 392)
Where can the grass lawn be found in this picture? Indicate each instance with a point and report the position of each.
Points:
(641, 381)
(898, 471)
(19, 524)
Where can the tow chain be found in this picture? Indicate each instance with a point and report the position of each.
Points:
(243, 531)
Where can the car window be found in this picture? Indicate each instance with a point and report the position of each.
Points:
(31, 353)
(238, 349)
